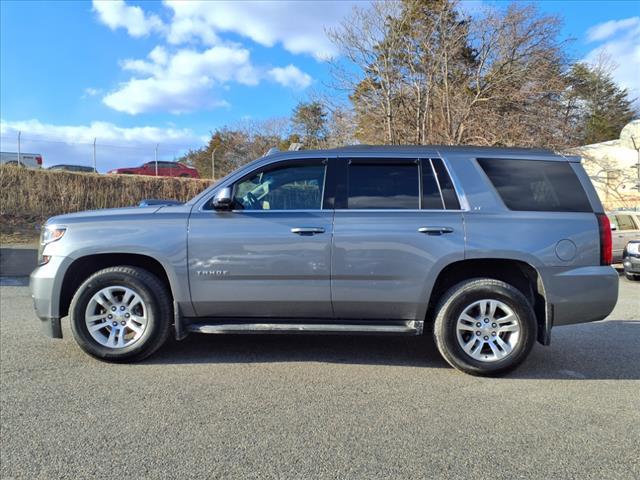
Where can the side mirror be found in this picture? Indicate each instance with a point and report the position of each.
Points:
(613, 228)
(223, 200)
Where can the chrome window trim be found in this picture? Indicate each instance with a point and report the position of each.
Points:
(435, 175)
(459, 191)
(457, 187)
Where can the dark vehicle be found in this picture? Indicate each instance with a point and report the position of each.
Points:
(631, 260)
(165, 169)
(73, 168)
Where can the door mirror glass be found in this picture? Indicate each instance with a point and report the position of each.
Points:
(223, 199)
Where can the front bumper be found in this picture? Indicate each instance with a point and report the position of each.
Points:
(584, 294)
(45, 284)
(631, 265)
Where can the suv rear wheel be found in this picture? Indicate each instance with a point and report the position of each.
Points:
(121, 314)
(484, 327)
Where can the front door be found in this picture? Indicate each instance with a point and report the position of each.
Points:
(270, 255)
(397, 223)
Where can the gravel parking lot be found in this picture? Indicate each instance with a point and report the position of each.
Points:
(318, 407)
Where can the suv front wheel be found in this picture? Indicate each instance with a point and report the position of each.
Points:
(484, 327)
(121, 313)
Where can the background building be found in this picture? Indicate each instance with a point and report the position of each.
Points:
(614, 168)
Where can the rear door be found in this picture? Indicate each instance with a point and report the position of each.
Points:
(396, 223)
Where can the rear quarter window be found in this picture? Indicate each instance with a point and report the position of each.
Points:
(534, 185)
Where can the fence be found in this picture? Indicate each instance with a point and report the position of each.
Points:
(103, 155)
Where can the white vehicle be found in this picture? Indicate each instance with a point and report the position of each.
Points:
(31, 160)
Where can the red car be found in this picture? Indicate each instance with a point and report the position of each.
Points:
(165, 169)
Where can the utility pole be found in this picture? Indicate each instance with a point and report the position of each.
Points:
(157, 159)
(95, 170)
(213, 164)
(636, 147)
(19, 156)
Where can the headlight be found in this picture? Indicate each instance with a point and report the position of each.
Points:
(51, 233)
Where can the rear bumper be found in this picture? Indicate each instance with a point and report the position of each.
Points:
(632, 265)
(580, 295)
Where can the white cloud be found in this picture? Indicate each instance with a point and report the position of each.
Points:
(91, 92)
(183, 81)
(196, 65)
(117, 14)
(298, 26)
(620, 41)
(290, 76)
(602, 31)
(116, 146)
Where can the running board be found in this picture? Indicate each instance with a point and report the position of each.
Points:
(408, 328)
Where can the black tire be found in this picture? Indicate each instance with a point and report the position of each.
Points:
(159, 312)
(632, 277)
(454, 302)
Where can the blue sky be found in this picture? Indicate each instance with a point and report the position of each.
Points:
(135, 74)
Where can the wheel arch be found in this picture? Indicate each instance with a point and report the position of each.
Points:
(81, 268)
(522, 275)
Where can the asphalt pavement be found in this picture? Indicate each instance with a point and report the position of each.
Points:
(318, 406)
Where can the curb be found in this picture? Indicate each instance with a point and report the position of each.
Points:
(17, 261)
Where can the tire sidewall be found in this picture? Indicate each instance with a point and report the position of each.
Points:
(460, 301)
(79, 306)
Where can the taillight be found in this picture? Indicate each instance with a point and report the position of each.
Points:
(38, 159)
(606, 248)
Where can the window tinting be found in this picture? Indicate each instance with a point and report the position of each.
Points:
(625, 222)
(532, 185)
(286, 188)
(383, 186)
(431, 199)
(446, 186)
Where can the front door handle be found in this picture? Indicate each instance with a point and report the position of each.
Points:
(435, 230)
(307, 230)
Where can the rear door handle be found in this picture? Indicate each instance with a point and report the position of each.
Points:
(435, 230)
(307, 230)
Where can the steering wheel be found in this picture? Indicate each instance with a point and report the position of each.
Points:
(254, 203)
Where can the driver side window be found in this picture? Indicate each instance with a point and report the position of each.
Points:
(295, 187)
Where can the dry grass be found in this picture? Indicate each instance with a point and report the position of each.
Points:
(29, 197)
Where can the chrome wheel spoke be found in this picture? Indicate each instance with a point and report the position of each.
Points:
(496, 351)
(508, 324)
(139, 319)
(128, 296)
(111, 340)
(120, 337)
(466, 327)
(98, 326)
(504, 345)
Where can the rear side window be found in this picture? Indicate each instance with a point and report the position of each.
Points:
(383, 186)
(533, 185)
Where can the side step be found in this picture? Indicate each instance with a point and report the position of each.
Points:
(404, 328)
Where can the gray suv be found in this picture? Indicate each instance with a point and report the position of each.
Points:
(487, 249)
